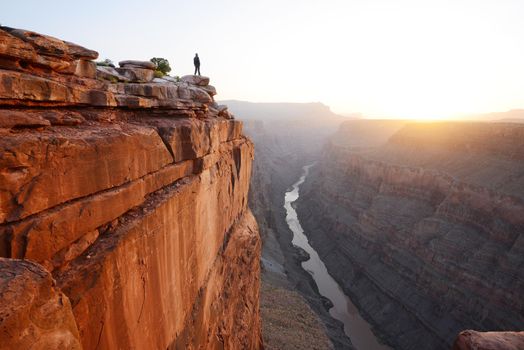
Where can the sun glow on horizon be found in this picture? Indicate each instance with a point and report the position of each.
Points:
(412, 59)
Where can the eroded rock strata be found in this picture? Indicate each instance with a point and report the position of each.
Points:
(132, 191)
(417, 233)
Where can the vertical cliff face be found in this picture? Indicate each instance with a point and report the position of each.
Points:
(424, 243)
(132, 192)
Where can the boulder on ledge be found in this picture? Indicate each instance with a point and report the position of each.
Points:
(211, 90)
(109, 73)
(23, 50)
(34, 314)
(135, 74)
(473, 340)
(137, 64)
(47, 45)
(195, 80)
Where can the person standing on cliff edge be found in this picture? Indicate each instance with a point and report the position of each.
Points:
(196, 62)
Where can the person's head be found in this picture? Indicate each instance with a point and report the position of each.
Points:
(196, 55)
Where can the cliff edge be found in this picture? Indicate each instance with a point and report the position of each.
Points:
(131, 192)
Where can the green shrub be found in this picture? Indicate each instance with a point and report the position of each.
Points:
(162, 65)
(106, 63)
(159, 74)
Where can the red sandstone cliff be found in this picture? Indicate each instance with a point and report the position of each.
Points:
(132, 192)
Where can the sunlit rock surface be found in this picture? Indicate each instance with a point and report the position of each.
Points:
(471, 340)
(34, 314)
(132, 194)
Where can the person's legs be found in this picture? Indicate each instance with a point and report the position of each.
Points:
(196, 68)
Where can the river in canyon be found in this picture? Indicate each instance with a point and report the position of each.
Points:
(355, 327)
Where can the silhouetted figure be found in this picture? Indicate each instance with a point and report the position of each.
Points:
(196, 62)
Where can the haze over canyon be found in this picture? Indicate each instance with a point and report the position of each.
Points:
(139, 212)
(420, 223)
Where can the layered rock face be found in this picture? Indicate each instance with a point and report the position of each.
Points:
(485, 154)
(133, 193)
(424, 245)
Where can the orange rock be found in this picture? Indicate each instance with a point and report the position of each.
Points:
(472, 340)
(85, 69)
(42, 236)
(133, 195)
(47, 45)
(157, 259)
(21, 119)
(14, 47)
(39, 171)
(33, 313)
(136, 74)
(226, 314)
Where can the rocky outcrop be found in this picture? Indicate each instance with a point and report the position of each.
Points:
(37, 70)
(423, 252)
(132, 194)
(34, 314)
(471, 340)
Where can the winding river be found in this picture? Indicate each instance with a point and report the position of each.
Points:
(355, 327)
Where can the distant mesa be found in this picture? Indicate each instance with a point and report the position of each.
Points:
(283, 111)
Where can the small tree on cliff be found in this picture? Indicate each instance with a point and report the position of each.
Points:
(106, 63)
(162, 66)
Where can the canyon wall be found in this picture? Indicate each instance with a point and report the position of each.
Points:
(132, 193)
(421, 231)
(287, 137)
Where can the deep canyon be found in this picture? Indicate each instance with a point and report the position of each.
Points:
(425, 231)
(420, 223)
(136, 212)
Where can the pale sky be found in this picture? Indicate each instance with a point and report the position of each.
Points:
(403, 58)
